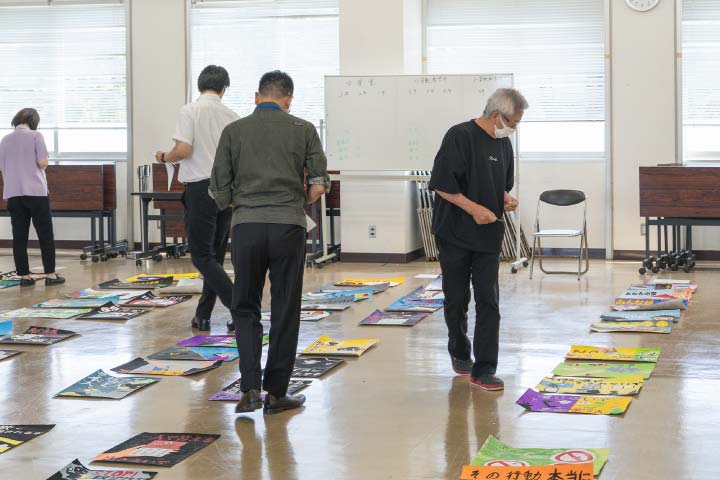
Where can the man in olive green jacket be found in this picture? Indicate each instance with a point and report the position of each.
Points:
(259, 169)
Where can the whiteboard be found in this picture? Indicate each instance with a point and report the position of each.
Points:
(398, 122)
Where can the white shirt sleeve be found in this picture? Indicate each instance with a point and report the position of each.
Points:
(185, 128)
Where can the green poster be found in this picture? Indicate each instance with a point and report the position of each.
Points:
(496, 453)
(603, 369)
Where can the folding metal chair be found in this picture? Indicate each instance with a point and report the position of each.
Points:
(561, 198)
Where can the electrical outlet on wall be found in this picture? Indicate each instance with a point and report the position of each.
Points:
(372, 231)
(642, 229)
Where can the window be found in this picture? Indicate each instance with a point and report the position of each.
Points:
(701, 80)
(555, 49)
(252, 37)
(67, 59)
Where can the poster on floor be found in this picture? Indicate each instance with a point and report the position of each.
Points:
(619, 386)
(330, 304)
(325, 345)
(75, 470)
(227, 341)
(403, 319)
(661, 294)
(13, 435)
(232, 392)
(423, 294)
(142, 277)
(623, 304)
(6, 327)
(642, 316)
(77, 302)
(108, 294)
(8, 284)
(586, 404)
(159, 449)
(405, 304)
(603, 370)
(496, 453)
(305, 315)
(369, 282)
(356, 294)
(171, 368)
(553, 472)
(51, 313)
(150, 300)
(116, 284)
(184, 286)
(8, 353)
(38, 336)
(101, 385)
(196, 353)
(435, 285)
(113, 312)
(587, 352)
(648, 326)
(314, 367)
(376, 288)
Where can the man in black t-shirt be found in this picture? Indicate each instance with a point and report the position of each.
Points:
(472, 177)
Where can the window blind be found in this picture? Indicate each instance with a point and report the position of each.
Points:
(252, 37)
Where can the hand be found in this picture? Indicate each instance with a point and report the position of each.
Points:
(483, 216)
(159, 155)
(511, 203)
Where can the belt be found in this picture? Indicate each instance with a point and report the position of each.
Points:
(188, 184)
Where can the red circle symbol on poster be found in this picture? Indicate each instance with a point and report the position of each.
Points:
(506, 463)
(574, 456)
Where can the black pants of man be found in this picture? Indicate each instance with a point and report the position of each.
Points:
(23, 210)
(207, 229)
(460, 267)
(257, 248)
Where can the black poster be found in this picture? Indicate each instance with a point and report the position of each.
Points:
(161, 449)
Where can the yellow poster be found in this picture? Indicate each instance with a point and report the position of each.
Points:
(585, 352)
(629, 385)
(370, 281)
(328, 346)
(176, 276)
(601, 405)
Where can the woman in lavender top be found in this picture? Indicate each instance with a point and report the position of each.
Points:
(23, 160)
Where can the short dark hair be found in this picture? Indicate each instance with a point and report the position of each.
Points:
(276, 84)
(27, 116)
(213, 77)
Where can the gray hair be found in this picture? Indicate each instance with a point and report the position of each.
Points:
(506, 101)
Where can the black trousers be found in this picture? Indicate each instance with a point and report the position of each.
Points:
(23, 210)
(257, 248)
(207, 229)
(460, 267)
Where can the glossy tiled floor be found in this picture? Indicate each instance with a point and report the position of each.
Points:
(398, 412)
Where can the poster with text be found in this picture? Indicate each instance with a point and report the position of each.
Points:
(13, 435)
(75, 470)
(101, 385)
(159, 449)
(537, 402)
(166, 367)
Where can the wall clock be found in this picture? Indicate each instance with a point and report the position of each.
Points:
(642, 5)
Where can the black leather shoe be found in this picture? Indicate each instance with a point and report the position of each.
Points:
(26, 282)
(250, 401)
(202, 324)
(274, 404)
(231, 326)
(58, 280)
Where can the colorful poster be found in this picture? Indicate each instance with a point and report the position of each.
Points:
(38, 336)
(579, 471)
(586, 352)
(101, 385)
(196, 353)
(185, 285)
(53, 313)
(604, 370)
(368, 282)
(404, 319)
(116, 284)
(314, 367)
(113, 312)
(537, 402)
(435, 285)
(77, 471)
(325, 345)
(424, 294)
(621, 386)
(405, 304)
(77, 302)
(8, 283)
(376, 288)
(159, 449)
(6, 327)
(142, 277)
(150, 300)
(356, 294)
(496, 453)
(305, 316)
(227, 341)
(642, 316)
(649, 304)
(663, 294)
(165, 367)
(332, 304)
(91, 293)
(648, 326)
(233, 393)
(8, 353)
(13, 435)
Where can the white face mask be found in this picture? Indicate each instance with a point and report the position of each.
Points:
(505, 131)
